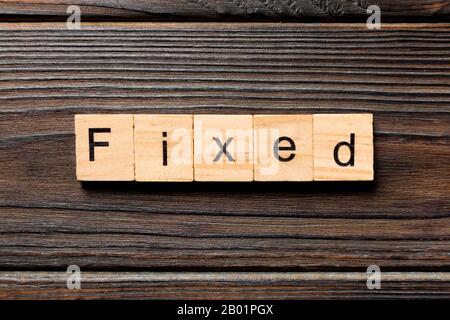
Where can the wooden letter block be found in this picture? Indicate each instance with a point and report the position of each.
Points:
(104, 147)
(343, 147)
(283, 147)
(163, 148)
(223, 147)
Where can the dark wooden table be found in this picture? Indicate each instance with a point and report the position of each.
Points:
(224, 240)
(226, 10)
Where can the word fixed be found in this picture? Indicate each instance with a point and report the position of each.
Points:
(186, 148)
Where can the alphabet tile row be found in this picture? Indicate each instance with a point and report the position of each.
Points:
(185, 148)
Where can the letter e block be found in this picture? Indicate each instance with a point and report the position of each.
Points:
(163, 148)
(104, 147)
(283, 147)
(343, 147)
(223, 148)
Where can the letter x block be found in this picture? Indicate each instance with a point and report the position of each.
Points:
(283, 147)
(223, 148)
(104, 147)
(343, 147)
(163, 148)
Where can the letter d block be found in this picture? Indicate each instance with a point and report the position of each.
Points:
(223, 147)
(163, 148)
(343, 147)
(104, 147)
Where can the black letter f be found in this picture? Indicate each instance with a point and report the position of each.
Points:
(93, 144)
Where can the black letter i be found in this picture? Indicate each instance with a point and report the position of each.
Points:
(164, 148)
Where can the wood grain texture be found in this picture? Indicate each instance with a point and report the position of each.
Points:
(400, 221)
(220, 10)
(229, 285)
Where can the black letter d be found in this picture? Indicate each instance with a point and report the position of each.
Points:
(351, 146)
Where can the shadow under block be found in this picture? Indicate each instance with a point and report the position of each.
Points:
(223, 148)
(104, 147)
(163, 148)
(283, 149)
(343, 147)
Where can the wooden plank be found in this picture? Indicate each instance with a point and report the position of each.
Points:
(226, 9)
(100, 239)
(400, 74)
(242, 285)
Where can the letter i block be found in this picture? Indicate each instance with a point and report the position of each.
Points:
(343, 147)
(283, 147)
(223, 148)
(104, 147)
(163, 148)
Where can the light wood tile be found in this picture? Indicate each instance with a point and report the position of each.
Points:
(104, 147)
(283, 147)
(223, 147)
(343, 147)
(163, 146)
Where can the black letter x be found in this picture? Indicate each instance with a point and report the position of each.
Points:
(223, 149)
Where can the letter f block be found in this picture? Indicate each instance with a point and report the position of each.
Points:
(343, 147)
(104, 147)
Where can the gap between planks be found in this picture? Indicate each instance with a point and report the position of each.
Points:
(55, 276)
(219, 26)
